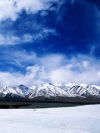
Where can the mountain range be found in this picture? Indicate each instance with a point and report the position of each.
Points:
(57, 92)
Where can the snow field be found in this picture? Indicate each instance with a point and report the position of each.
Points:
(80, 119)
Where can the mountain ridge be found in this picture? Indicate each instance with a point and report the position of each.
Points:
(50, 90)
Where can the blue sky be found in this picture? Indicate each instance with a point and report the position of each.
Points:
(49, 41)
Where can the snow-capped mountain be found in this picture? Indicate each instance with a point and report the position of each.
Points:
(19, 91)
(65, 90)
(82, 90)
(50, 90)
(47, 90)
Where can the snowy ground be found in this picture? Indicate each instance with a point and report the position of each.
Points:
(80, 119)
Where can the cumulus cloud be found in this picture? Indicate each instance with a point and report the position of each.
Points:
(14, 79)
(7, 9)
(56, 68)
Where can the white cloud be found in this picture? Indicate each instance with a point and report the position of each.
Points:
(7, 9)
(12, 39)
(30, 5)
(11, 8)
(14, 79)
(52, 61)
(9, 40)
(55, 68)
(19, 58)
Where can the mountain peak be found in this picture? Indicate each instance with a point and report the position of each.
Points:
(21, 85)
